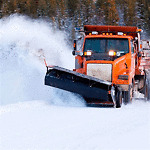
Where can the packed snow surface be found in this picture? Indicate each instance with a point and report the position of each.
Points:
(37, 117)
(41, 126)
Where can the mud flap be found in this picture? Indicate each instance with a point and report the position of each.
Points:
(93, 90)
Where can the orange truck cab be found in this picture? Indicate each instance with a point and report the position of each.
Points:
(109, 67)
(112, 53)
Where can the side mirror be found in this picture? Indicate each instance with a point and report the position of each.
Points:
(75, 47)
(73, 52)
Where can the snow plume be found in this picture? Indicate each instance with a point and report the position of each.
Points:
(24, 44)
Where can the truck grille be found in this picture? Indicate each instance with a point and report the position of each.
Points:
(100, 71)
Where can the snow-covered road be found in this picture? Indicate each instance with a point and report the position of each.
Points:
(40, 126)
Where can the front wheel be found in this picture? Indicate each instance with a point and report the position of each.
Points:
(128, 95)
(118, 99)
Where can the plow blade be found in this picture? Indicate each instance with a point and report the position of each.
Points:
(93, 90)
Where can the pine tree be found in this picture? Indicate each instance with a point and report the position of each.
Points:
(5, 8)
(21, 6)
(88, 12)
(130, 12)
(144, 15)
(100, 7)
(52, 9)
(72, 7)
(42, 8)
(66, 14)
(111, 13)
(32, 7)
(1, 3)
(108, 9)
(61, 7)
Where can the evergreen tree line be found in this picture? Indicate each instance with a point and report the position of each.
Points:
(66, 14)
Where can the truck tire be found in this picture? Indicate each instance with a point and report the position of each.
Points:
(118, 99)
(148, 96)
(148, 87)
(128, 95)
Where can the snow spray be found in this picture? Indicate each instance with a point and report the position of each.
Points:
(24, 44)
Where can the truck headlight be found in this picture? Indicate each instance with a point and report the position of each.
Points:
(88, 53)
(112, 53)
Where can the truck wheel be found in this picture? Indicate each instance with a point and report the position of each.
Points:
(128, 95)
(118, 99)
(148, 96)
(148, 87)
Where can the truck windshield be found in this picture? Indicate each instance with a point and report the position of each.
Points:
(101, 45)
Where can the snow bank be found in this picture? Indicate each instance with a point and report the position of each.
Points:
(24, 44)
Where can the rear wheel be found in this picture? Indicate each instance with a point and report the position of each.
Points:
(146, 88)
(148, 96)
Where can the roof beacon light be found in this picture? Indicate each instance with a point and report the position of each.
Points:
(79, 29)
(94, 32)
(139, 30)
(112, 53)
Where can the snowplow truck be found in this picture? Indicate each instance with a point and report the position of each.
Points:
(110, 66)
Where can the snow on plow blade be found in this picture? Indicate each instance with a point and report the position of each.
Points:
(93, 90)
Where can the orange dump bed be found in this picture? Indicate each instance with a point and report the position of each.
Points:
(145, 60)
(114, 29)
